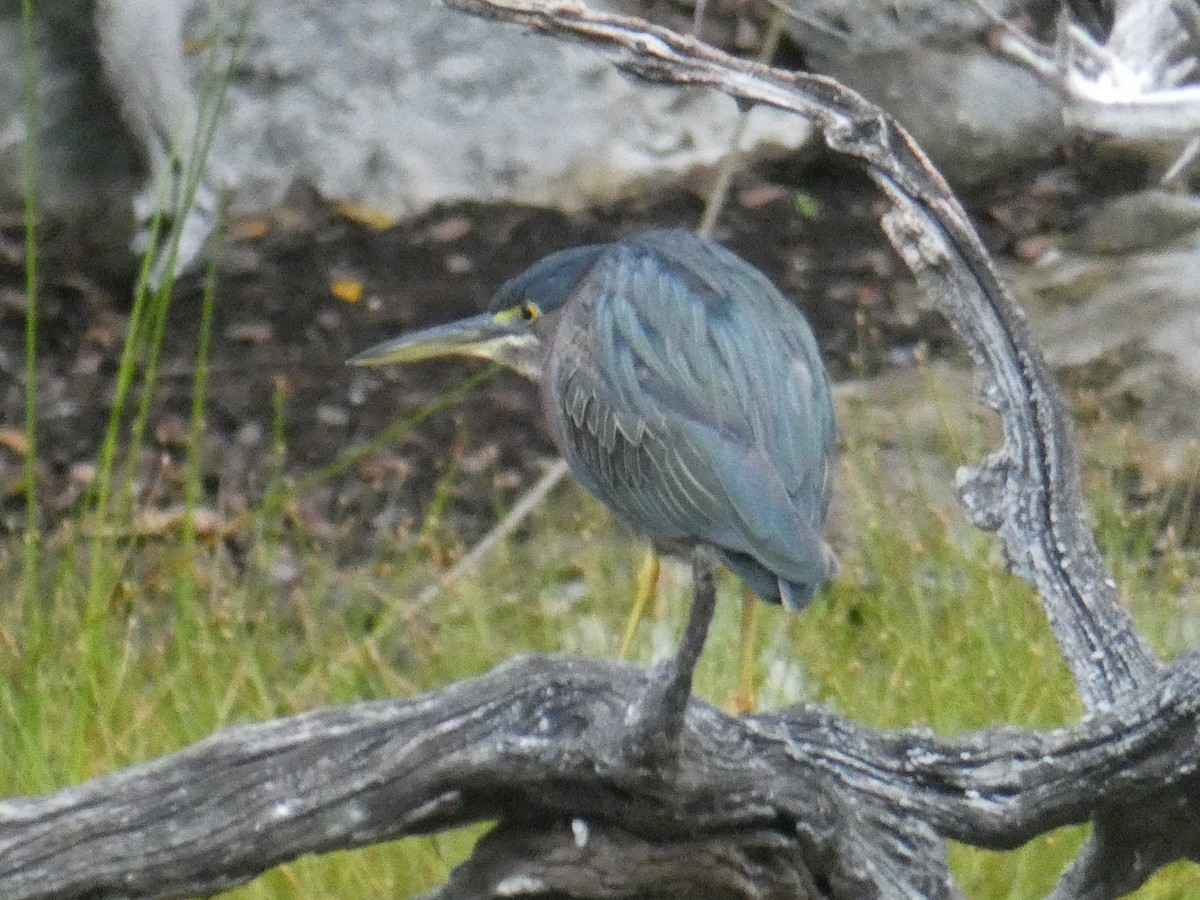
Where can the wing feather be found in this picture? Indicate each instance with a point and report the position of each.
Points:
(695, 403)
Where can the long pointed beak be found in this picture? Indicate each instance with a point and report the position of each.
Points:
(480, 335)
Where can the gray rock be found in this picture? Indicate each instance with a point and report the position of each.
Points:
(86, 160)
(976, 115)
(854, 28)
(141, 46)
(1127, 325)
(394, 104)
(1139, 221)
(400, 104)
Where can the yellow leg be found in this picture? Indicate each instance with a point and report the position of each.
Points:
(743, 697)
(647, 587)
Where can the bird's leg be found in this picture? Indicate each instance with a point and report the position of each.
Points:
(647, 586)
(656, 720)
(743, 697)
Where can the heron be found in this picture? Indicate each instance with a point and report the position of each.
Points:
(683, 390)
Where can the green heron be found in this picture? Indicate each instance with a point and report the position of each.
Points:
(682, 389)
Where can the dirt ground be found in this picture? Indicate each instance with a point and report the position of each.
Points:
(282, 334)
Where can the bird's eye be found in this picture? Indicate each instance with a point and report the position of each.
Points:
(529, 312)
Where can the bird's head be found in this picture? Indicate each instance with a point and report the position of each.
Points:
(521, 317)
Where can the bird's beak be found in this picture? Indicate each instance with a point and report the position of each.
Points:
(490, 336)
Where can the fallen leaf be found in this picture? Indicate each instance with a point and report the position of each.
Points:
(255, 333)
(758, 197)
(363, 214)
(348, 289)
(250, 229)
(16, 441)
(452, 229)
(208, 523)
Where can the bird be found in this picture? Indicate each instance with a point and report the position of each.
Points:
(683, 390)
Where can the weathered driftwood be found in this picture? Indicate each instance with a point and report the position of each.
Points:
(800, 798)
(1135, 79)
(800, 802)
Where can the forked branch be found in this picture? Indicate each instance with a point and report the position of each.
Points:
(1030, 490)
(803, 798)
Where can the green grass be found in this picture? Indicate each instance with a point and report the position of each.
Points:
(29, 167)
(921, 627)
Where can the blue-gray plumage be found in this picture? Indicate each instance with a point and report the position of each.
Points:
(683, 390)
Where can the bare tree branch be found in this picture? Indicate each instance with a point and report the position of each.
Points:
(1030, 490)
(1138, 82)
(540, 743)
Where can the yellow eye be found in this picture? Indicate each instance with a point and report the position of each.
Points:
(529, 311)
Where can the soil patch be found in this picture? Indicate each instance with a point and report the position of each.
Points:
(287, 317)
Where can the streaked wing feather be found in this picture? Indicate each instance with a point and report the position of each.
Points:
(696, 416)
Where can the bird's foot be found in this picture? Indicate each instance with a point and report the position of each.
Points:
(742, 702)
(656, 719)
(647, 587)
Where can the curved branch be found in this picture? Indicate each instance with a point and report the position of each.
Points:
(541, 740)
(1030, 490)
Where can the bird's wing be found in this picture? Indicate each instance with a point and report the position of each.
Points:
(696, 416)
